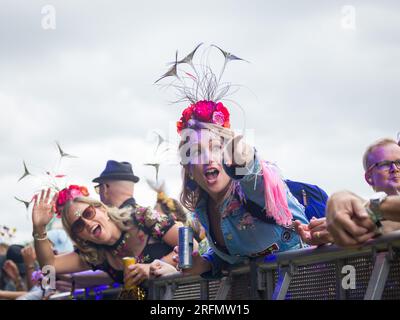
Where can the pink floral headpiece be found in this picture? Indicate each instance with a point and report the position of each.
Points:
(68, 194)
(204, 111)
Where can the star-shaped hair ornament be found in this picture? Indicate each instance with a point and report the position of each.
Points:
(62, 153)
(156, 166)
(228, 57)
(173, 71)
(160, 140)
(25, 202)
(189, 58)
(199, 83)
(26, 172)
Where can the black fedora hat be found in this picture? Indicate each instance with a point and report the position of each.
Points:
(117, 171)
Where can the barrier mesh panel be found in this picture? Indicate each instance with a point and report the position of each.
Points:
(191, 291)
(392, 286)
(310, 282)
(240, 289)
(213, 287)
(364, 266)
(313, 282)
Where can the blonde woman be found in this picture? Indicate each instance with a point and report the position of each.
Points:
(103, 235)
(240, 200)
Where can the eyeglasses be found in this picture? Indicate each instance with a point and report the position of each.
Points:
(385, 165)
(97, 188)
(88, 214)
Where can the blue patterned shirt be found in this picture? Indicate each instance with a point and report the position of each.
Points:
(245, 235)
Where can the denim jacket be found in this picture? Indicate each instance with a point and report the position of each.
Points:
(245, 235)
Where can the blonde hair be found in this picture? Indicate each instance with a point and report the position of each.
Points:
(372, 147)
(90, 252)
(190, 198)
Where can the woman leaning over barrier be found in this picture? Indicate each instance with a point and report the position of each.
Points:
(240, 200)
(103, 236)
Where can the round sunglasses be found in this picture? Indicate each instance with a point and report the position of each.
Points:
(79, 224)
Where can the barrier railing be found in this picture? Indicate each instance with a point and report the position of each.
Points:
(371, 272)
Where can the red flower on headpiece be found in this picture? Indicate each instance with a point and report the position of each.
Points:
(180, 126)
(187, 113)
(204, 111)
(68, 194)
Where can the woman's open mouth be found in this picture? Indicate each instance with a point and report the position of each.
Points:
(96, 231)
(211, 175)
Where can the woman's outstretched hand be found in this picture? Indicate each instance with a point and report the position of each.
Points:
(43, 209)
(160, 268)
(315, 233)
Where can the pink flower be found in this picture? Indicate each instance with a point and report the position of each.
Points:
(203, 110)
(221, 108)
(68, 194)
(74, 193)
(218, 118)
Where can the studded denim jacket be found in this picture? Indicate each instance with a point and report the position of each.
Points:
(245, 235)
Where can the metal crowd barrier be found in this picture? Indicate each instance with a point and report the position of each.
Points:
(96, 293)
(308, 274)
(305, 274)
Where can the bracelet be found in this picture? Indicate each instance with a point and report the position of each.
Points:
(36, 236)
(41, 239)
(376, 219)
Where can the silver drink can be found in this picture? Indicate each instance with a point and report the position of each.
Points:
(185, 247)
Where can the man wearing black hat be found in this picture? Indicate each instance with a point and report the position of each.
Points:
(116, 184)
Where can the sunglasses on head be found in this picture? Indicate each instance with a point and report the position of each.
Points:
(79, 224)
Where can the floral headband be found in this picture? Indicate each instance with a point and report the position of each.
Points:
(204, 111)
(202, 88)
(67, 194)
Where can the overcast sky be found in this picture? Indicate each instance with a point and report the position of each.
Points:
(320, 86)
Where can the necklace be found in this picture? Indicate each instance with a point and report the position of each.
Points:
(120, 247)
